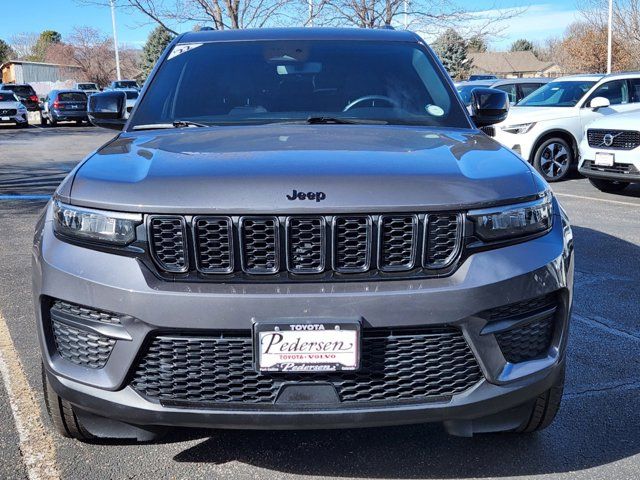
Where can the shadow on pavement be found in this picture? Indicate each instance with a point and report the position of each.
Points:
(597, 424)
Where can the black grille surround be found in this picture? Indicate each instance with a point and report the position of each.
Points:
(217, 370)
(526, 328)
(304, 247)
(620, 139)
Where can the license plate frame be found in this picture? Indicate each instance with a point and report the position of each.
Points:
(5, 119)
(605, 159)
(293, 333)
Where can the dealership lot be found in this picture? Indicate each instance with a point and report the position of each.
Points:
(597, 433)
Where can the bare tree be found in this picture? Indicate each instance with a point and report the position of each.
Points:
(23, 44)
(92, 51)
(426, 16)
(218, 14)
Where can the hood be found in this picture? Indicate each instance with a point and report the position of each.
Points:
(618, 121)
(11, 104)
(255, 169)
(518, 115)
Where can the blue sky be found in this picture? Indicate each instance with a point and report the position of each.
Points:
(541, 19)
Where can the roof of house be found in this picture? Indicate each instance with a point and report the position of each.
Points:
(509, 62)
(27, 62)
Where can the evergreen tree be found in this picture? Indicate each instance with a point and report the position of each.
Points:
(477, 44)
(5, 51)
(158, 40)
(45, 40)
(452, 50)
(522, 45)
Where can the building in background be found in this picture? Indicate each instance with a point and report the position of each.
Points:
(513, 65)
(43, 77)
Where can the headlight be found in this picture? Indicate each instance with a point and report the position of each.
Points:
(96, 225)
(521, 128)
(514, 220)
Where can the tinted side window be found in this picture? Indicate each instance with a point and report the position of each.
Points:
(616, 91)
(510, 90)
(527, 88)
(634, 90)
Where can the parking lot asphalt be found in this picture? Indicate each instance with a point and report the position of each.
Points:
(596, 434)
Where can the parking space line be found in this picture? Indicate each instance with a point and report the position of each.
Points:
(596, 199)
(36, 444)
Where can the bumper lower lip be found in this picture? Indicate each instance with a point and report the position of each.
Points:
(620, 177)
(483, 400)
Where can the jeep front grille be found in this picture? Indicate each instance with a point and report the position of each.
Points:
(331, 246)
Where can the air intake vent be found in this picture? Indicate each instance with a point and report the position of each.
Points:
(352, 243)
(214, 246)
(259, 238)
(306, 244)
(442, 239)
(398, 242)
(168, 243)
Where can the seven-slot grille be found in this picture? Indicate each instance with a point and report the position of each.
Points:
(617, 139)
(218, 369)
(344, 244)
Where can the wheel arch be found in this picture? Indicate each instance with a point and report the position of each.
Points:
(556, 133)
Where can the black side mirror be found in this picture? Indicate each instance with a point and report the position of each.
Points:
(107, 109)
(488, 106)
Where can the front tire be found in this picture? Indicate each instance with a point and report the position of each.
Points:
(544, 408)
(553, 159)
(608, 186)
(61, 413)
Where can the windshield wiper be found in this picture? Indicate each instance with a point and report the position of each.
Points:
(343, 121)
(174, 124)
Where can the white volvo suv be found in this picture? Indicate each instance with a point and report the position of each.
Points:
(610, 152)
(547, 126)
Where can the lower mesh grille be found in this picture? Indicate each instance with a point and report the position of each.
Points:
(81, 347)
(394, 367)
(526, 342)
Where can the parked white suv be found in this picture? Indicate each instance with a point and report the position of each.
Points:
(610, 152)
(546, 127)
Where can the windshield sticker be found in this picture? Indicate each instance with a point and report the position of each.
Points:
(435, 110)
(182, 48)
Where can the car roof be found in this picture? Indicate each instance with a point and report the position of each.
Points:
(584, 77)
(249, 34)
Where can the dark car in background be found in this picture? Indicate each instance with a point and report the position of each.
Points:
(25, 93)
(123, 85)
(515, 88)
(65, 105)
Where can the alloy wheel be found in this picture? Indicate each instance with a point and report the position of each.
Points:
(554, 160)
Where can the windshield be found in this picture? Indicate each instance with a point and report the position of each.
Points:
(564, 93)
(8, 97)
(282, 81)
(126, 84)
(131, 94)
(465, 92)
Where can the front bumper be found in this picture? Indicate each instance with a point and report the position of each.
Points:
(522, 144)
(121, 284)
(20, 118)
(626, 167)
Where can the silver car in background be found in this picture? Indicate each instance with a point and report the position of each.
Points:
(12, 110)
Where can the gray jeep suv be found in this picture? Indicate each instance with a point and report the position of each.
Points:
(301, 228)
